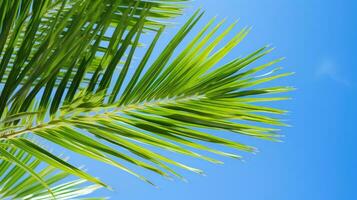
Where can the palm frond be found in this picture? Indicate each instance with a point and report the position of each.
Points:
(70, 90)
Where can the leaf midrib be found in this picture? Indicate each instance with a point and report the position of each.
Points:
(63, 119)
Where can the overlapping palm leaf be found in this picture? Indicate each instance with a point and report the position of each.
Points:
(23, 177)
(72, 86)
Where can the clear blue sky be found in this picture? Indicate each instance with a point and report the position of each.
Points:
(318, 157)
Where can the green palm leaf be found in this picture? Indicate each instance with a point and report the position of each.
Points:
(23, 177)
(65, 75)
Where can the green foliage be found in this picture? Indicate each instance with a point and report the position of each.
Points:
(23, 177)
(64, 78)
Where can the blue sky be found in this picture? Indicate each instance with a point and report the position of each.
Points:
(317, 159)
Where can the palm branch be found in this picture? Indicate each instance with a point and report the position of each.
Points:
(65, 76)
